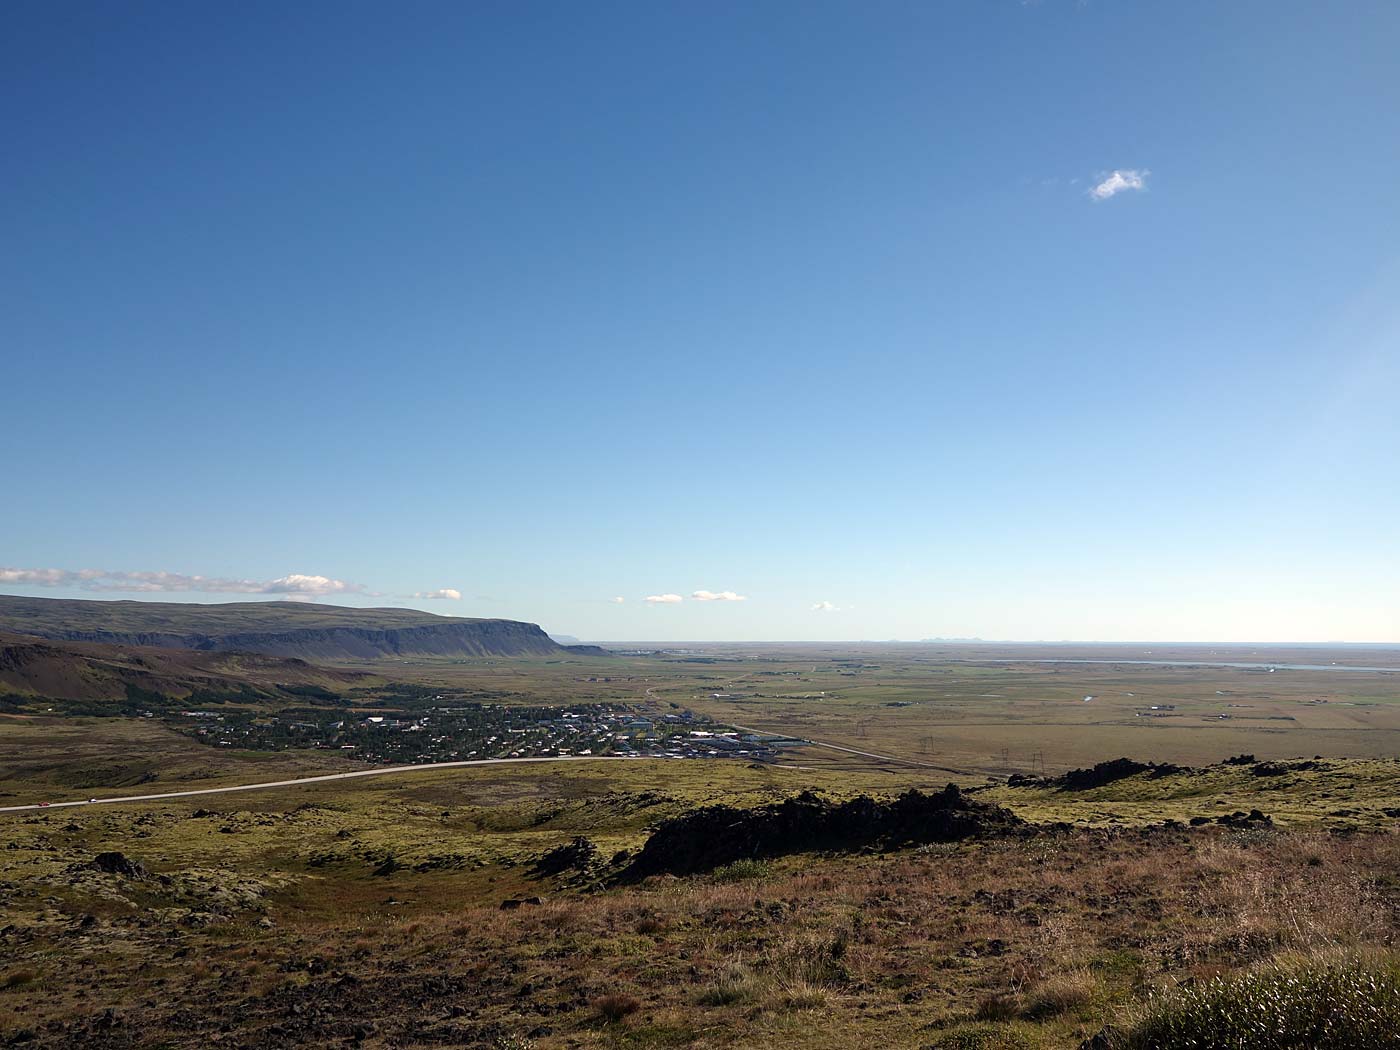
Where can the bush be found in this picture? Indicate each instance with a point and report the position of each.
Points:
(1316, 1006)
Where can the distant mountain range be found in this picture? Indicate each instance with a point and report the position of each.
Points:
(279, 628)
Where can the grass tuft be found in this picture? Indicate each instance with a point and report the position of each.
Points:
(741, 871)
(1317, 1006)
(738, 984)
(1074, 993)
(613, 1007)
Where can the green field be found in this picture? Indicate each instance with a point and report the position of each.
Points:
(933, 704)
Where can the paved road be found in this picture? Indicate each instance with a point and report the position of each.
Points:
(386, 770)
(853, 751)
(377, 772)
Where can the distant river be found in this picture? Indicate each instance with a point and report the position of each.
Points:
(1198, 663)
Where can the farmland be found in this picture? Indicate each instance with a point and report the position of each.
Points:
(994, 709)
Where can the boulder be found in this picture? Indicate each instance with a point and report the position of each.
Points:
(114, 863)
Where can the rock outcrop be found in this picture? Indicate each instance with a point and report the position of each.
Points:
(716, 835)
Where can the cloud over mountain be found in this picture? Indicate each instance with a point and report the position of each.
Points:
(292, 585)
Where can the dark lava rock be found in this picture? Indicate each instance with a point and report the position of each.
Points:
(578, 855)
(512, 903)
(1239, 819)
(1278, 769)
(1108, 772)
(1023, 780)
(716, 835)
(114, 863)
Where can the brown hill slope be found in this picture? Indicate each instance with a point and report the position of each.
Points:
(277, 628)
(40, 667)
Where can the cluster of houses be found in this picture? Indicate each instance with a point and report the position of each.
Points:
(478, 731)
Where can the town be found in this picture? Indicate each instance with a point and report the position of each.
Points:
(481, 731)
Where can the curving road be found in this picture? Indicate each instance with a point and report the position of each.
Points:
(297, 782)
(386, 770)
(854, 751)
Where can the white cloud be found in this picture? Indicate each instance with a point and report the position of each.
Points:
(449, 593)
(1118, 181)
(299, 583)
(825, 607)
(663, 599)
(618, 600)
(296, 583)
(718, 596)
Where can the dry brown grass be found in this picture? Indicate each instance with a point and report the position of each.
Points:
(1071, 992)
(1044, 938)
(615, 1006)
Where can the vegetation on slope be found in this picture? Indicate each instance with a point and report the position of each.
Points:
(143, 676)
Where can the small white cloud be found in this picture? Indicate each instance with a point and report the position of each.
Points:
(448, 593)
(718, 596)
(171, 582)
(825, 607)
(618, 600)
(300, 583)
(1118, 181)
(663, 599)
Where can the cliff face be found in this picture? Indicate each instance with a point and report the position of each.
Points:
(485, 638)
(275, 628)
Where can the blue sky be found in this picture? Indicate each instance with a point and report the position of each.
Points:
(552, 304)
